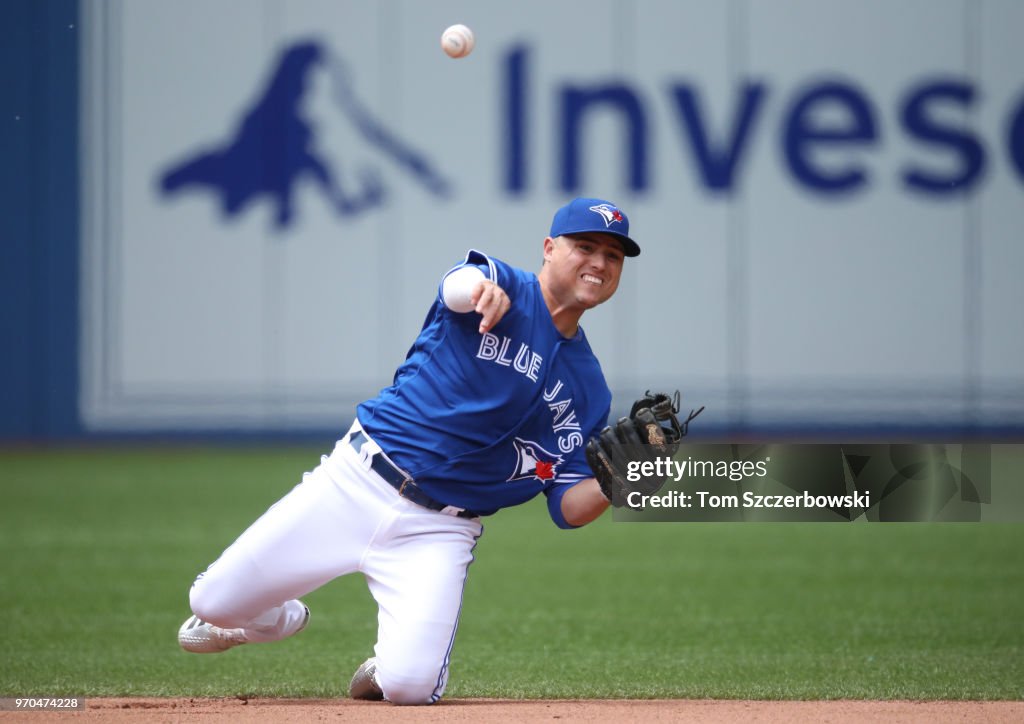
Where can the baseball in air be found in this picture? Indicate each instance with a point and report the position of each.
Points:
(458, 41)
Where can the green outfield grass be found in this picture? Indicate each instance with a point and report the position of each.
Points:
(99, 547)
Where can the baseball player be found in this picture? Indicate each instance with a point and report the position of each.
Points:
(499, 399)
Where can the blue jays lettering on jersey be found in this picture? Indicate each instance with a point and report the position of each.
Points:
(487, 421)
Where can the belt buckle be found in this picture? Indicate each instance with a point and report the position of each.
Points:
(401, 488)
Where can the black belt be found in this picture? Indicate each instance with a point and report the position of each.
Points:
(398, 480)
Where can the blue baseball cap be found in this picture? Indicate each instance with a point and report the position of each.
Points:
(594, 215)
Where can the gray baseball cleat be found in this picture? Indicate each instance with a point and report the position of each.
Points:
(200, 637)
(364, 682)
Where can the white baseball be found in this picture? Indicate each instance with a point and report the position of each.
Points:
(457, 41)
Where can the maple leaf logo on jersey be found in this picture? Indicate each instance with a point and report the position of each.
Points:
(533, 461)
(609, 213)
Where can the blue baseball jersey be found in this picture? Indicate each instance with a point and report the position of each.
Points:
(487, 421)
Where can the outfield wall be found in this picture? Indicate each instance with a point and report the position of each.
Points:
(828, 196)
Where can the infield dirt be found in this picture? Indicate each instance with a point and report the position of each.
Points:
(522, 711)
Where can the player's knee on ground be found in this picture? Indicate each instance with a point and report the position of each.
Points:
(410, 695)
(409, 692)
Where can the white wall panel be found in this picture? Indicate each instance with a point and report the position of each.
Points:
(764, 298)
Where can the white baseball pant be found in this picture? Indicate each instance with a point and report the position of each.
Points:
(343, 518)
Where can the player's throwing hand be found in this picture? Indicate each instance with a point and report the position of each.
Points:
(492, 302)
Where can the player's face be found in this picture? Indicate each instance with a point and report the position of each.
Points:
(584, 269)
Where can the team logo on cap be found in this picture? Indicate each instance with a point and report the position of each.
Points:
(609, 213)
(533, 461)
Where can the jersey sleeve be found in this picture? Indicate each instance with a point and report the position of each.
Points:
(479, 260)
(554, 494)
